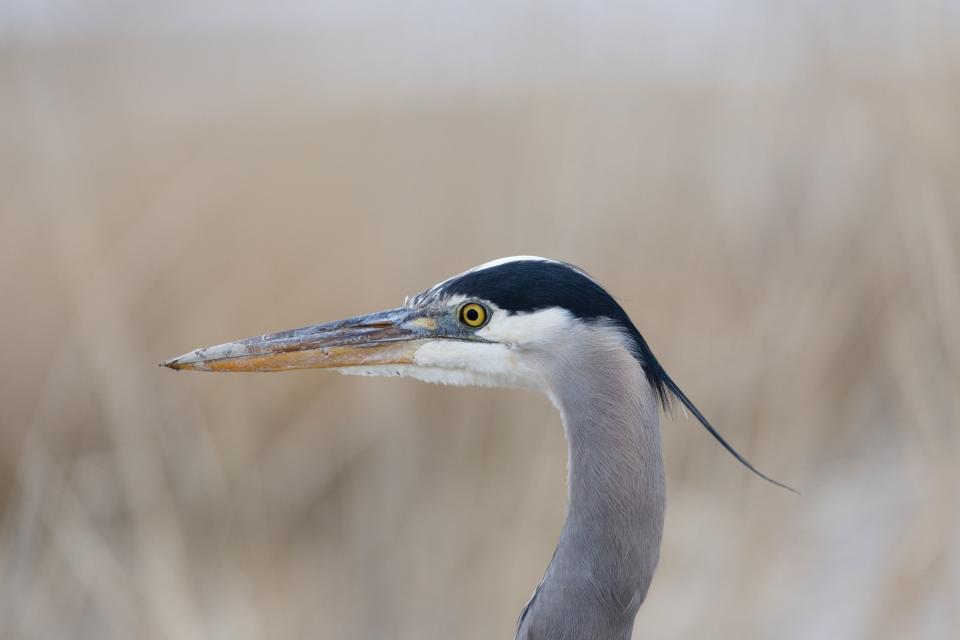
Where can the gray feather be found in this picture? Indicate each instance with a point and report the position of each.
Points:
(610, 543)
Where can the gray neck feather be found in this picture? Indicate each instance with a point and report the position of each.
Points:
(610, 542)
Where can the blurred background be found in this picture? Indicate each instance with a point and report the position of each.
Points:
(771, 190)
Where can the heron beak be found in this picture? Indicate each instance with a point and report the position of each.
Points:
(385, 338)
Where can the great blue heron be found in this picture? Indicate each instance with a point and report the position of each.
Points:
(529, 322)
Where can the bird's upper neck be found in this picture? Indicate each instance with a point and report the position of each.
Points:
(610, 542)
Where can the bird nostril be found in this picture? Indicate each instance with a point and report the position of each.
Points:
(377, 324)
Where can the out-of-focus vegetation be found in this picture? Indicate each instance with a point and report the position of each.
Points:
(772, 192)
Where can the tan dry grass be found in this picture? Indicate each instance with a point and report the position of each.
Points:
(788, 244)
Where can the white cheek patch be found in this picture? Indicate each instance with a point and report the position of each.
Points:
(460, 362)
(457, 354)
(526, 328)
(436, 375)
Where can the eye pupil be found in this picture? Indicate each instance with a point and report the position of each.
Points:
(472, 314)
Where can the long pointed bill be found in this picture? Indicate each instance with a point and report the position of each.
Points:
(384, 338)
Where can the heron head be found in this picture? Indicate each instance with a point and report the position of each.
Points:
(507, 323)
(494, 325)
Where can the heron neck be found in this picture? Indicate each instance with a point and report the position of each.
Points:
(610, 542)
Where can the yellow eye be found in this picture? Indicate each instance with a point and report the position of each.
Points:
(473, 314)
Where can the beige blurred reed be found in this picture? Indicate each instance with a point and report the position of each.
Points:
(777, 210)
